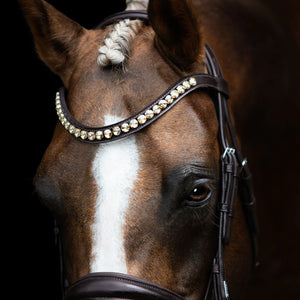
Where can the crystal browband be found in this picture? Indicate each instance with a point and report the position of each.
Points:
(142, 119)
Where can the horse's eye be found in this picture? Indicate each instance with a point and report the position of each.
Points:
(200, 193)
(198, 196)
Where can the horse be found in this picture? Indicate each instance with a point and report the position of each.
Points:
(125, 206)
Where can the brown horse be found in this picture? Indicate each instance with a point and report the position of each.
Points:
(119, 205)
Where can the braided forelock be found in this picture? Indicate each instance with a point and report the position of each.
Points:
(116, 46)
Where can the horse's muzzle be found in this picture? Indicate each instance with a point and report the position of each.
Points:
(101, 286)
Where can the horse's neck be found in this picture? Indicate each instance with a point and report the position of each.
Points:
(256, 53)
(251, 37)
(258, 48)
(259, 59)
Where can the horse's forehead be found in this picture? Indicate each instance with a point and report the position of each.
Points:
(97, 92)
(116, 93)
(186, 133)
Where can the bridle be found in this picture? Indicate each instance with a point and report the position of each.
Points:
(234, 175)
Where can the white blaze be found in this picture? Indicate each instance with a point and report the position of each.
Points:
(115, 170)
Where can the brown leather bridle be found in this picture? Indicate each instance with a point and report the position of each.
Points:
(234, 175)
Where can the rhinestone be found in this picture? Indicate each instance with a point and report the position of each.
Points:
(58, 106)
(142, 119)
(63, 121)
(116, 130)
(83, 134)
(77, 132)
(67, 125)
(180, 89)
(169, 99)
(163, 103)
(186, 85)
(71, 129)
(125, 127)
(108, 133)
(99, 135)
(134, 123)
(192, 81)
(174, 94)
(156, 109)
(149, 114)
(91, 135)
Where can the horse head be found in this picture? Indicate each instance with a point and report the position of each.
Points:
(145, 205)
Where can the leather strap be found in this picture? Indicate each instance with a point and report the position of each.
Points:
(96, 286)
(203, 81)
(127, 14)
(232, 167)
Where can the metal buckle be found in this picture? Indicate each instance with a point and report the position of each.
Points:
(244, 162)
(226, 289)
(228, 150)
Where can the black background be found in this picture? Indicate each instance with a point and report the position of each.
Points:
(28, 118)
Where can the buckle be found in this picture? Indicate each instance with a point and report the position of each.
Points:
(226, 289)
(228, 150)
(244, 162)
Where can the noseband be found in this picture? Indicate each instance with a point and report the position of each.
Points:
(234, 173)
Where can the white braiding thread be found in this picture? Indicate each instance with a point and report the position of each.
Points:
(117, 45)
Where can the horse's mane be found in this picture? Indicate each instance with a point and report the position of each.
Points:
(117, 44)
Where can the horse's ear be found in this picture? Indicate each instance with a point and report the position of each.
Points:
(177, 29)
(56, 36)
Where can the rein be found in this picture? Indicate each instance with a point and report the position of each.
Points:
(234, 170)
